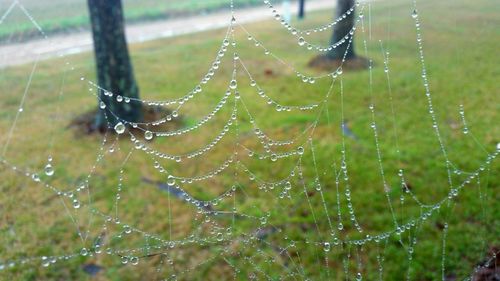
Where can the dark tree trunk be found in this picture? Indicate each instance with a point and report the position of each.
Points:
(114, 69)
(301, 8)
(342, 29)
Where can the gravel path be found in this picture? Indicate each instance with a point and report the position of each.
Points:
(60, 45)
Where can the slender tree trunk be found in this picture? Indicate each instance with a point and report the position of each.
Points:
(301, 8)
(114, 69)
(342, 29)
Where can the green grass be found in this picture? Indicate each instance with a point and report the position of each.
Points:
(460, 42)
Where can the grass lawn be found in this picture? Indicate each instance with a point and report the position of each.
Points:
(460, 40)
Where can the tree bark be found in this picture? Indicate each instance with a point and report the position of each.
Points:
(301, 9)
(341, 29)
(114, 69)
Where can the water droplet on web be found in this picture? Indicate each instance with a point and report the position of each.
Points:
(148, 135)
(45, 261)
(76, 204)
(171, 180)
(119, 128)
(327, 247)
(35, 177)
(49, 170)
(300, 150)
(414, 14)
(102, 105)
(134, 261)
(84, 252)
(233, 84)
(263, 220)
(274, 157)
(127, 229)
(220, 237)
(301, 41)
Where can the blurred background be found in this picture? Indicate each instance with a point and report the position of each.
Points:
(128, 152)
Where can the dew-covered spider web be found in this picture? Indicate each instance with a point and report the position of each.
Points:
(263, 169)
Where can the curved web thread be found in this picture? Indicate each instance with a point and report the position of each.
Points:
(294, 186)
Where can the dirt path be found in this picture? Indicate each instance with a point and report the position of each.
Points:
(61, 45)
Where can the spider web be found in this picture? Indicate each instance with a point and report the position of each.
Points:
(269, 202)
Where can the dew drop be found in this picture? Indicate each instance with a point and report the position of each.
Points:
(263, 220)
(171, 180)
(414, 14)
(233, 84)
(102, 105)
(134, 261)
(35, 177)
(127, 229)
(300, 150)
(45, 261)
(49, 170)
(84, 252)
(327, 247)
(148, 135)
(301, 41)
(119, 128)
(220, 237)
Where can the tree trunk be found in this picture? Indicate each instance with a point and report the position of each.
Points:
(301, 9)
(342, 29)
(114, 69)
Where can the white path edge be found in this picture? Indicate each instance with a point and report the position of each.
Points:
(62, 45)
